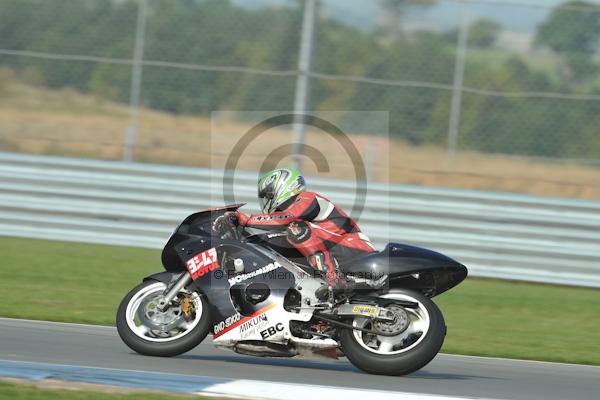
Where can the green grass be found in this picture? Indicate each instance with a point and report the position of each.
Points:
(11, 391)
(84, 283)
(28, 97)
(522, 320)
(60, 281)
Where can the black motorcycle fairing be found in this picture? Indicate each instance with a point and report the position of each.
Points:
(438, 272)
(201, 218)
(409, 267)
(224, 289)
(194, 225)
(164, 277)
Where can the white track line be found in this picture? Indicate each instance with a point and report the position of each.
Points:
(244, 388)
(293, 391)
(256, 389)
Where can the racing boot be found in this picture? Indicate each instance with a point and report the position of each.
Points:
(323, 292)
(336, 284)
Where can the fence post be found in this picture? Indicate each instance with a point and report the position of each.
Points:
(459, 76)
(136, 81)
(370, 156)
(303, 80)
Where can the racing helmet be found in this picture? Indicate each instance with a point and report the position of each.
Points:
(278, 186)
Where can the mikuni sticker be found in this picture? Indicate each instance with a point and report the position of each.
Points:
(202, 263)
(263, 270)
(252, 326)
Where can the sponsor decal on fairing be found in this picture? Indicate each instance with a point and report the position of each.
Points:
(253, 326)
(263, 270)
(235, 321)
(203, 263)
(272, 330)
(226, 323)
(254, 322)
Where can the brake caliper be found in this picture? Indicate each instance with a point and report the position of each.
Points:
(187, 307)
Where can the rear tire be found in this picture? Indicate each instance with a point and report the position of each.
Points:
(159, 347)
(402, 362)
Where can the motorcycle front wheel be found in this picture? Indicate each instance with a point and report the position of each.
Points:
(148, 330)
(420, 335)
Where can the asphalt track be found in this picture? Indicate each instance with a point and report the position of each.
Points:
(449, 375)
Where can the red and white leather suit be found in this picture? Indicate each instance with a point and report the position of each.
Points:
(316, 227)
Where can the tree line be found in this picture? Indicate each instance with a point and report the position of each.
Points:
(217, 33)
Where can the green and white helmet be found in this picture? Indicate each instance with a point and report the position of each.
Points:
(278, 186)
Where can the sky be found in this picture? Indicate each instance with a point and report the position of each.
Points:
(520, 16)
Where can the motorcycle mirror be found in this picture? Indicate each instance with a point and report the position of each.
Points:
(256, 292)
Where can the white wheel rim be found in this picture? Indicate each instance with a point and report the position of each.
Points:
(144, 332)
(385, 345)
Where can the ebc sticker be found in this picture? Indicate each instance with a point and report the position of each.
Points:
(272, 330)
(203, 263)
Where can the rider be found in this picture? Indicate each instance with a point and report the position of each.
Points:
(314, 225)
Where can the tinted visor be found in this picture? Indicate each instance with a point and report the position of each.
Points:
(266, 204)
(265, 198)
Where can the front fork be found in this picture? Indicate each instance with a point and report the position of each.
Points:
(182, 282)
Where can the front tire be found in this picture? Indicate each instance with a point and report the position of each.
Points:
(150, 332)
(404, 353)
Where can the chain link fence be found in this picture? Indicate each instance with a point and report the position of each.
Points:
(500, 95)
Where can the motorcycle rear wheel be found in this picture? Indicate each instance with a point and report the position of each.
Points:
(137, 318)
(409, 351)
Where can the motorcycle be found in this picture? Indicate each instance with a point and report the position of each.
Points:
(256, 295)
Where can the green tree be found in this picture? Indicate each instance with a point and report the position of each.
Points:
(483, 32)
(217, 33)
(411, 108)
(573, 31)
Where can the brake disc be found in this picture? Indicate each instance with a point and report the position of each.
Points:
(153, 318)
(399, 324)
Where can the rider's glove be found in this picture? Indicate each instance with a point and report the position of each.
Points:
(231, 217)
(224, 222)
(229, 220)
(242, 219)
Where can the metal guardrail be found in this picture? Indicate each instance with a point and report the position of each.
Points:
(499, 235)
